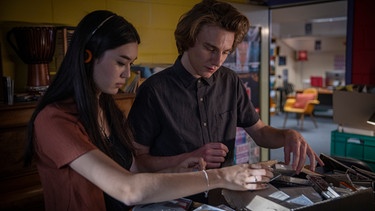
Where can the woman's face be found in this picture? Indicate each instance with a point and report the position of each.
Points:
(113, 68)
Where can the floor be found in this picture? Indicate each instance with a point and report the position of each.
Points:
(318, 138)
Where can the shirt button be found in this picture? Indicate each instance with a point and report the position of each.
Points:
(201, 99)
(204, 124)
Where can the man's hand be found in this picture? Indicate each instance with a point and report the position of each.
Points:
(213, 154)
(292, 141)
(190, 164)
(295, 144)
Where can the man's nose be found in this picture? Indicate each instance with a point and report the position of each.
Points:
(218, 58)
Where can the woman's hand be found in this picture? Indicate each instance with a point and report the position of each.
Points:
(246, 176)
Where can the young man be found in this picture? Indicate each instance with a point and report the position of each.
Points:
(192, 109)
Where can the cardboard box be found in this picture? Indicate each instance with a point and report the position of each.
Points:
(359, 200)
(319, 193)
(353, 109)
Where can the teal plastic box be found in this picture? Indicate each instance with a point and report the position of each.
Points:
(354, 145)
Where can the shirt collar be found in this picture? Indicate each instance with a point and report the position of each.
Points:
(186, 78)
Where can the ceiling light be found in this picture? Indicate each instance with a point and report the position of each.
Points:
(325, 20)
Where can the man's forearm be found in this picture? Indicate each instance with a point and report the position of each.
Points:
(267, 136)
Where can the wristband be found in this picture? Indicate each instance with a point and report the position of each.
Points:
(208, 183)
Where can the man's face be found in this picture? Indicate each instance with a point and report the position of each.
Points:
(212, 47)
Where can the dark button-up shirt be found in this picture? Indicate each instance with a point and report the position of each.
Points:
(174, 112)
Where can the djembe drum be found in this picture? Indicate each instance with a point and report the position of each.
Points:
(35, 46)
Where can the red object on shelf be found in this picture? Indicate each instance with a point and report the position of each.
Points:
(316, 81)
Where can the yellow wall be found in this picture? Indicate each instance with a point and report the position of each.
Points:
(155, 21)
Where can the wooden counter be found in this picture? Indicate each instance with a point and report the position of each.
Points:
(20, 187)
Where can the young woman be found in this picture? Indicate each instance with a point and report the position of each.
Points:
(80, 139)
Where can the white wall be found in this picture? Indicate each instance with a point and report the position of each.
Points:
(318, 63)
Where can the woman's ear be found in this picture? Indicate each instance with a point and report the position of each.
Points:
(88, 56)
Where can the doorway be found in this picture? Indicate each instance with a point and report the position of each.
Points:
(319, 31)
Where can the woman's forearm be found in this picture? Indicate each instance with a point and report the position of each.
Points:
(143, 188)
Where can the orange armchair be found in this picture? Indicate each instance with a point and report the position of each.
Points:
(302, 104)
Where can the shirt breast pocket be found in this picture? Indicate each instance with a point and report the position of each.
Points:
(225, 126)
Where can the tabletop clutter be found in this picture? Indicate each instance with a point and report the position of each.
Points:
(336, 186)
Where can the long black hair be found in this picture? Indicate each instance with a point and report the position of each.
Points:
(97, 32)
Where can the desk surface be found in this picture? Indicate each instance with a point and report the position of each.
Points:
(320, 91)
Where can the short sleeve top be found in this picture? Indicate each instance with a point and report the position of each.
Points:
(60, 138)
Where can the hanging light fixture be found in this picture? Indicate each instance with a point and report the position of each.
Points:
(301, 55)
